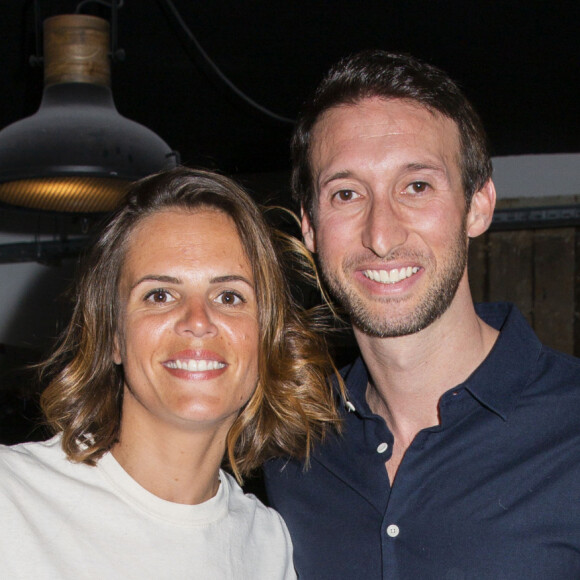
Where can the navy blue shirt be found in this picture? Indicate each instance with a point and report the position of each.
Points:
(493, 492)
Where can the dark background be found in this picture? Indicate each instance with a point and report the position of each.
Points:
(517, 60)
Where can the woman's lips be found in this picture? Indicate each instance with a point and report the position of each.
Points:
(195, 364)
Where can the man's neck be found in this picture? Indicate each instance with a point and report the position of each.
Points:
(408, 375)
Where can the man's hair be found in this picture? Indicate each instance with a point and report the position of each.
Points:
(292, 404)
(388, 76)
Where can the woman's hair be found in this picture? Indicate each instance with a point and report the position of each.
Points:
(293, 402)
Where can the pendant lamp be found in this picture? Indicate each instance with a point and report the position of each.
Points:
(76, 153)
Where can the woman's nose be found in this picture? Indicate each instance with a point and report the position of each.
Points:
(196, 318)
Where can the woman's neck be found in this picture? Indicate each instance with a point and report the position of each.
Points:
(176, 465)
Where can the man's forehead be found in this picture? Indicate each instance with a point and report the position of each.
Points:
(376, 118)
(391, 109)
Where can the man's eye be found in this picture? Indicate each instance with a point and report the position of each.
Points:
(416, 187)
(158, 296)
(230, 298)
(346, 195)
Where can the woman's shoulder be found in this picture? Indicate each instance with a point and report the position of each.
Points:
(248, 505)
(32, 460)
(260, 533)
(30, 452)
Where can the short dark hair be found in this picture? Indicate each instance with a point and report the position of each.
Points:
(293, 402)
(377, 73)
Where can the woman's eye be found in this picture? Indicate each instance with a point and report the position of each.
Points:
(230, 298)
(416, 187)
(159, 296)
(346, 195)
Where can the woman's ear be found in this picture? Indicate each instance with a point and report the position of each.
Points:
(117, 350)
(481, 210)
(308, 232)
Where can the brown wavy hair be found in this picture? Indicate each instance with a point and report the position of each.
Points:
(293, 404)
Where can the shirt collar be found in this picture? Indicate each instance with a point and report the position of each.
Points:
(508, 368)
(496, 383)
(356, 379)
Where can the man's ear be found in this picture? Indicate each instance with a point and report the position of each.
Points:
(481, 210)
(308, 232)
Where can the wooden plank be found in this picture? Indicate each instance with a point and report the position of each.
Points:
(577, 294)
(477, 268)
(510, 269)
(554, 282)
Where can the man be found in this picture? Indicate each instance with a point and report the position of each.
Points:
(460, 452)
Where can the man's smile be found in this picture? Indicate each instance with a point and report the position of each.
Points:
(391, 276)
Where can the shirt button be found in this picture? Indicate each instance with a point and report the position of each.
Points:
(382, 447)
(393, 531)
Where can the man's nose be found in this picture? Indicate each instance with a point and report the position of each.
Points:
(383, 230)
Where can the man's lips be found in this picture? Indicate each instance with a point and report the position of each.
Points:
(390, 276)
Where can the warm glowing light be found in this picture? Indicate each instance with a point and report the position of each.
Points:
(65, 194)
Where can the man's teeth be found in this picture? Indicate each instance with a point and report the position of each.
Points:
(390, 276)
(195, 365)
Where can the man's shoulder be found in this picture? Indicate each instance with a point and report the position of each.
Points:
(559, 374)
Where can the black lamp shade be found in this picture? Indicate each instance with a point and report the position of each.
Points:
(77, 153)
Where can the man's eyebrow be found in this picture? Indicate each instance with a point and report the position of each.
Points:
(338, 175)
(428, 166)
(418, 166)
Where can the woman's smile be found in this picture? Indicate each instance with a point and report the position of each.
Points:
(195, 365)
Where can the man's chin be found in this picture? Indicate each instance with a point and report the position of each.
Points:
(384, 330)
(396, 318)
(381, 323)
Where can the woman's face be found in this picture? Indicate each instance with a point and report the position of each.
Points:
(188, 334)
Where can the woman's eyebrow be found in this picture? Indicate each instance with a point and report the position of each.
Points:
(173, 280)
(156, 278)
(231, 278)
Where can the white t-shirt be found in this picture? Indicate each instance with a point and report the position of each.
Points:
(62, 520)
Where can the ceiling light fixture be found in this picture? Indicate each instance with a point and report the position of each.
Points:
(76, 153)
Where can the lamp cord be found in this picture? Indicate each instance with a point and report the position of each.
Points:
(219, 73)
(107, 3)
(119, 4)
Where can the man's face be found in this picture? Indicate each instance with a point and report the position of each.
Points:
(390, 219)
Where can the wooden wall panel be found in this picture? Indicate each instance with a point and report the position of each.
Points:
(510, 267)
(554, 277)
(477, 267)
(539, 271)
(577, 294)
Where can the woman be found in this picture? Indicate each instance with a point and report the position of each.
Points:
(183, 347)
